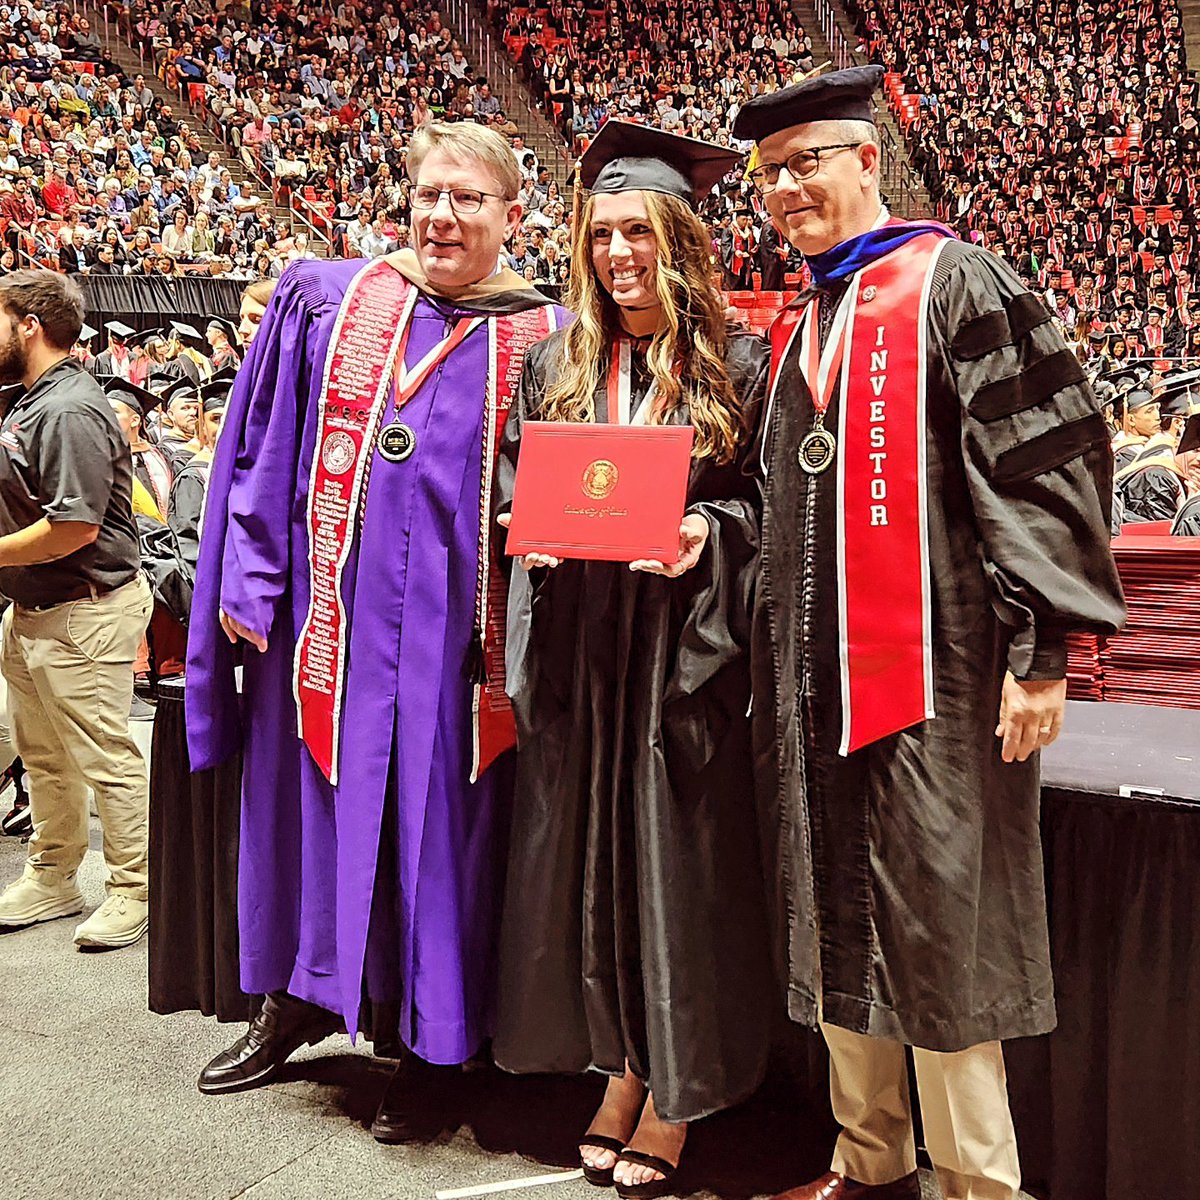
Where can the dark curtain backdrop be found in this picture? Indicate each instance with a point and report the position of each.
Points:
(1108, 1106)
(144, 303)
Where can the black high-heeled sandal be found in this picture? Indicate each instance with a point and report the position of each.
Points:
(600, 1176)
(654, 1187)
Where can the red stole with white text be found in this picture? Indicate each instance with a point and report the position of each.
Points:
(884, 620)
(356, 379)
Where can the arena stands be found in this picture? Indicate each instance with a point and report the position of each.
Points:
(97, 173)
(1064, 136)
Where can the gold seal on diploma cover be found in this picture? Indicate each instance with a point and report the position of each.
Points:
(599, 479)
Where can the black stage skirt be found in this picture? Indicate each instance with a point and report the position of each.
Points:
(193, 874)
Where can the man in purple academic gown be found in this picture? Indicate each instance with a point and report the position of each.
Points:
(380, 887)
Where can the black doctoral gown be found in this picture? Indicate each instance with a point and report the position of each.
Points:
(909, 873)
(1187, 520)
(1151, 487)
(635, 925)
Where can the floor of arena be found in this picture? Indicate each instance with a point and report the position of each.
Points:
(100, 1102)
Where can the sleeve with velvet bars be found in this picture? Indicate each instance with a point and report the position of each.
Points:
(1036, 458)
(244, 565)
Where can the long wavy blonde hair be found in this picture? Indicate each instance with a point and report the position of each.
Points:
(691, 333)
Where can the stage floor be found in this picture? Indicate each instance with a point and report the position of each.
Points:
(100, 1102)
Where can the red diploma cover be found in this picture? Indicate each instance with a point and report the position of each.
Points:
(612, 492)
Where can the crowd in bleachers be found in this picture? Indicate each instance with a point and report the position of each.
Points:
(1065, 136)
(319, 105)
(684, 67)
(100, 175)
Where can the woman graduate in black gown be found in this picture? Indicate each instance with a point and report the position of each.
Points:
(634, 933)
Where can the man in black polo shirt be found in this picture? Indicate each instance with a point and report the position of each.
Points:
(69, 561)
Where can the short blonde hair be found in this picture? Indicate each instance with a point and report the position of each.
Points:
(467, 140)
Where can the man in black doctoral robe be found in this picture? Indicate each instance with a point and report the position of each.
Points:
(961, 534)
(1152, 486)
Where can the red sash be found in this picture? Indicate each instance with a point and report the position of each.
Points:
(885, 648)
(509, 339)
(356, 378)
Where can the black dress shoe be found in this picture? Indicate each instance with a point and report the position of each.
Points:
(283, 1025)
(415, 1102)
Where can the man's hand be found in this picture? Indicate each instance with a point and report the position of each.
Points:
(235, 629)
(1031, 715)
(693, 535)
(529, 561)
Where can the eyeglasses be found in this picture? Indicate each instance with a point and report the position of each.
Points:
(462, 200)
(804, 164)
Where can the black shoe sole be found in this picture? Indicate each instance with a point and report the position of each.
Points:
(387, 1136)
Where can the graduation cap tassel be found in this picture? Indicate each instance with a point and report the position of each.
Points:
(475, 668)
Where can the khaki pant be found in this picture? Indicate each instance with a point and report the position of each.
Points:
(70, 678)
(964, 1108)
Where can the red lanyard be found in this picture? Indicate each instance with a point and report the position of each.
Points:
(408, 383)
(620, 387)
(821, 370)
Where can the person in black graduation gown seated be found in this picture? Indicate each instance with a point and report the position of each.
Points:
(634, 935)
(191, 484)
(181, 418)
(1152, 486)
(151, 468)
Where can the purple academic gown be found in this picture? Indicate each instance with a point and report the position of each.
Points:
(393, 877)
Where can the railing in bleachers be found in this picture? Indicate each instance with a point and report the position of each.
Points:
(469, 21)
(896, 168)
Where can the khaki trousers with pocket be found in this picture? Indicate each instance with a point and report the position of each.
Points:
(70, 679)
(964, 1109)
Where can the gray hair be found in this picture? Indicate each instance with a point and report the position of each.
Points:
(467, 141)
(852, 131)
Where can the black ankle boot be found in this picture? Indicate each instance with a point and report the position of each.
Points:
(416, 1102)
(283, 1025)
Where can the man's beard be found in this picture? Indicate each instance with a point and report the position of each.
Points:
(14, 359)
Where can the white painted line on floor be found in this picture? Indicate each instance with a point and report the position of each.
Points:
(507, 1185)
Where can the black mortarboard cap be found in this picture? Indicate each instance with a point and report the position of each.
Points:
(1191, 436)
(1137, 397)
(215, 393)
(187, 331)
(1178, 395)
(227, 327)
(181, 386)
(625, 157)
(839, 96)
(129, 393)
(163, 378)
(146, 335)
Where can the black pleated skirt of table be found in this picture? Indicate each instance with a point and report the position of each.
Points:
(1108, 1105)
(193, 875)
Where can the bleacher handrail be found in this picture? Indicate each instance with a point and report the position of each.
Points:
(469, 21)
(896, 166)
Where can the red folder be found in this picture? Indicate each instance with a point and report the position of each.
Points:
(611, 492)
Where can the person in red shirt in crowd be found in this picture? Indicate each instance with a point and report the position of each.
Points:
(19, 210)
(57, 194)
